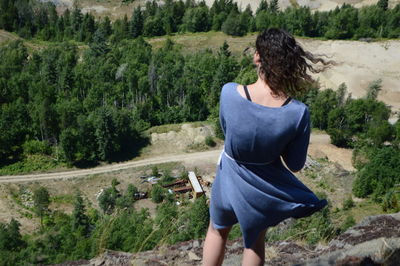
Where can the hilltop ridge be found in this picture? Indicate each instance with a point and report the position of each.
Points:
(373, 241)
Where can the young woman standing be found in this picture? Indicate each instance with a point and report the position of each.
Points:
(262, 125)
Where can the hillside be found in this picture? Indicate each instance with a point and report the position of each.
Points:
(358, 63)
(374, 241)
(320, 5)
(117, 8)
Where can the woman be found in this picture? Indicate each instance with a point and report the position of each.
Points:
(261, 124)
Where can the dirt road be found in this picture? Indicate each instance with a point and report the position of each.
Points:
(319, 143)
(188, 157)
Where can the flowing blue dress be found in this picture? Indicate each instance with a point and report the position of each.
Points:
(252, 186)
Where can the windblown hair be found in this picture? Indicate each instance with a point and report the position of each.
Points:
(284, 63)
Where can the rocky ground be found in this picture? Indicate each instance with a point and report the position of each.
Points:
(374, 241)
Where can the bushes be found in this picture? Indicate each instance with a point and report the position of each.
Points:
(379, 173)
(157, 193)
(317, 227)
(209, 141)
(348, 203)
(391, 201)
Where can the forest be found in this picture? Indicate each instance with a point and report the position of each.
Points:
(72, 106)
(36, 19)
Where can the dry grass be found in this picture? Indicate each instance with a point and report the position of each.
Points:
(193, 42)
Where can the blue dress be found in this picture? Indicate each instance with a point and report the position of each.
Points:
(252, 186)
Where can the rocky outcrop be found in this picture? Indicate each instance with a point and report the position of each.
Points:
(374, 241)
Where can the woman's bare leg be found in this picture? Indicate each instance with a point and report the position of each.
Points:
(214, 245)
(255, 255)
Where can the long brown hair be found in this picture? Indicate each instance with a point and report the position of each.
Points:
(284, 63)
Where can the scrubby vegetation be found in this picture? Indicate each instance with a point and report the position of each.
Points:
(361, 124)
(87, 231)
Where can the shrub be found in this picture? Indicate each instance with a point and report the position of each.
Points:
(36, 147)
(157, 193)
(379, 174)
(348, 203)
(349, 222)
(391, 202)
(209, 141)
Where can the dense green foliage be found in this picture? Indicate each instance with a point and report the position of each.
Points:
(378, 173)
(89, 108)
(62, 105)
(361, 124)
(66, 105)
(40, 20)
(86, 232)
(351, 122)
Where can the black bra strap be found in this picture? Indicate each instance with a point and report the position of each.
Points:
(287, 101)
(247, 93)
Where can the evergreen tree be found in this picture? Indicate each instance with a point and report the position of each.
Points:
(10, 237)
(325, 101)
(263, 6)
(157, 193)
(41, 202)
(137, 21)
(235, 25)
(196, 19)
(199, 217)
(105, 26)
(80, 220)
(274, 6)
(383, 4)
(99, 46)
(373, 89)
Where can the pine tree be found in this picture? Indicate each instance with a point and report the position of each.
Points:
(41, 202)
(274, 6)
(136, 24)
(384, 4)
(373, 89)
(99, 46)
(79, 218)
(263, 6)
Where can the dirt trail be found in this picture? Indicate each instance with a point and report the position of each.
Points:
(319, 147)
(187, 157)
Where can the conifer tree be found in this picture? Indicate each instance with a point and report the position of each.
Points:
(384, 4)
(263, 6)
(274, 6)
(79, 218)
(41, 202)
(136, 24)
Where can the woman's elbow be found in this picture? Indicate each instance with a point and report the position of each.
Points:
(295, 167)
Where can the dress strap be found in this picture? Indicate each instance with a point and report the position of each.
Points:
(247, 93)
(287, 101)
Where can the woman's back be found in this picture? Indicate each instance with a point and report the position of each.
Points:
(259, 134)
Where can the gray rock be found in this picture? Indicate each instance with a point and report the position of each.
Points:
(379, 250)
(193, 256)
(196, 244)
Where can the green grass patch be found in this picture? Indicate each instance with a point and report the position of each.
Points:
(32, 163)
(66, 198)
